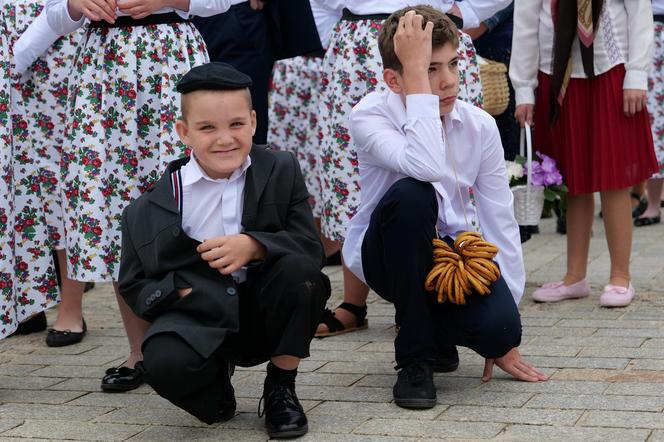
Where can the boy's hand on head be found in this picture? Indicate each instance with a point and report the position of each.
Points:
(138, 9)
(514, 364)
(634, 100)
(95, 10)
(412, 45)
(230, 253)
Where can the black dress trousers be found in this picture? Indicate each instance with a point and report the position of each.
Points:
(280, 308)
(397, 255)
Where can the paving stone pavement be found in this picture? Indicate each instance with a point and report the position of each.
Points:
(606, 370)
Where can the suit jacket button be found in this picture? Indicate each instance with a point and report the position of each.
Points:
(157, 293)
(176, 231)
(231, 291)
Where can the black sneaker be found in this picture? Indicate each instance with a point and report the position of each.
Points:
(227, 403)
(414, 387)
(284, 416)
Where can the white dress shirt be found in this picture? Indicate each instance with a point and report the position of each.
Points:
(33, 43)
(472, 11)
(62, 23)
(658, 7)
(395, 141)
(212, 207)
(624, 36)
(326, 18)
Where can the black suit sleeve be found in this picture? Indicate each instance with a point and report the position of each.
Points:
(148, 297)
(299, 236)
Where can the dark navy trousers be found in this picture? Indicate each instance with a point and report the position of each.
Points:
(397, 255)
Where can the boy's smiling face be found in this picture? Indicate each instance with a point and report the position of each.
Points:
(218, 126)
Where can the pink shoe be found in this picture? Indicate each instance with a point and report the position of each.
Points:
(616, 296)
(558, 291)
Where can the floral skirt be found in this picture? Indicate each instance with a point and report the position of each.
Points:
(352, 68)
(595, 145)
(120, 133)
(31, 224)
(293, 117)
(656, 97)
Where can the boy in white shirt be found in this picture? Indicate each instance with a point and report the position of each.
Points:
(429, 164)
(223, 258)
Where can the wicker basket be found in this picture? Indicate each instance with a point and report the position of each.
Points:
(495, 89)
(528, 199)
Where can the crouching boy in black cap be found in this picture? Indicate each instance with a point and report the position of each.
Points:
(222, 256)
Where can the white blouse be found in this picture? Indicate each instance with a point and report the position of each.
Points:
(326, 18)
(658, 7)
(60, 21)
(472, 11)
(624, 36)
(395, 141)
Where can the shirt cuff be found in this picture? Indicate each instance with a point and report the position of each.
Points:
(635, 79)
(470, 19)
(524, 95)
(422, 106)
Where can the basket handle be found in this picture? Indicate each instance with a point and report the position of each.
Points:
(528, 147)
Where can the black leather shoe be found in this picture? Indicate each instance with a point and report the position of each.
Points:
(414, 387)
(227, 403)
(447, 360)
(119, 379)
(33, 325)
(284, 416)
(62, 338)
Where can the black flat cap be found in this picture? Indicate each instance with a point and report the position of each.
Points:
(213, 76)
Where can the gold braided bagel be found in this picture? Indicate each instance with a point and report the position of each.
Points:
(460, 270)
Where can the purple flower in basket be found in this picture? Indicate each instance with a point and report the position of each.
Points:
(545, 172)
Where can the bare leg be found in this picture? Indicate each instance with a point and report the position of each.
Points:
(331, 247)
(286, 362)
(655, 187)
(70, 310)
(355, 292)
(135, 328)
(580, 213)
(616, 208)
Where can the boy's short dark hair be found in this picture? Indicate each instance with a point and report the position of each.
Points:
(444, 31)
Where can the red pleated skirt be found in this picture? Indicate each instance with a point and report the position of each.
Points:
(596, 147)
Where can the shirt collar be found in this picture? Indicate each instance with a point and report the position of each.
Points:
(192, 172)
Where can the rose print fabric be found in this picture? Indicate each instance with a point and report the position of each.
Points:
(352, 68)
(293, 117)
(656, 97)
(120, 133)
(30, 211)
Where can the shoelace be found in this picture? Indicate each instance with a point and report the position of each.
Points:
(414, 371)
(278, 393)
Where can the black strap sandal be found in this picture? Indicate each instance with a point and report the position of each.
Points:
(639, 208)
(647, 221)
(335, 327)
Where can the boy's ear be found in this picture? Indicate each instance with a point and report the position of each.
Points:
(393, 80)
(253, 122)
(183, 131)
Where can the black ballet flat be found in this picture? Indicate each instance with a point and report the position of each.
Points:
(33, 325)
(119, 379)
(63, 338)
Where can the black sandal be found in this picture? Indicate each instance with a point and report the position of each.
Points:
(335, 327)
(647, 221)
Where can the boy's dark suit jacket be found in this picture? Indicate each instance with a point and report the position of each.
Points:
(158, 257)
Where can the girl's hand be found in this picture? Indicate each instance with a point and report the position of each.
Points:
(514, 364)
(257, 5)
(634, 100)
(138, 9)
(524, 114)
(95, 10)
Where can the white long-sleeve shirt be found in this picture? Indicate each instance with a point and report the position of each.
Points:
(62, 23)
(624, 35)
(213, 207)
(472, 11)
(395, 141)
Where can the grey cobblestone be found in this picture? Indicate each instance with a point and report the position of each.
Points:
(607, 377)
